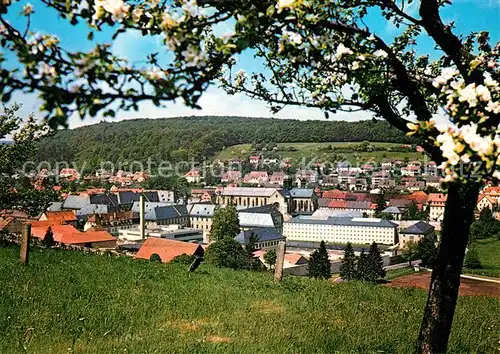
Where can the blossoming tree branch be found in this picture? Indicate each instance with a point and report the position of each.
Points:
(315, 53)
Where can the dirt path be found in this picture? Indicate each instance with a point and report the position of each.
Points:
(468, 287)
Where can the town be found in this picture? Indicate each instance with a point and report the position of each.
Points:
(394, 203)
(282, 176)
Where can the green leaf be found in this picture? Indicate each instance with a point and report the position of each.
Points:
(270, 10)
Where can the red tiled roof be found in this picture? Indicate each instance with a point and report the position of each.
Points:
(436, 198)
(334, 194)
(64, 215)
(69, 235)
(167, 249)
(192, 173)
(337, 204)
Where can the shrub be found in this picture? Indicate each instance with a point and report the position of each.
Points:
(184, 259)
(227, 253)
(472, 260)
(155, 257)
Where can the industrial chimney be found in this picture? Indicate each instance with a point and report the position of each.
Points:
(141, 216)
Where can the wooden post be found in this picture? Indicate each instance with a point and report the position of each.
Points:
(25, 244)
(280, 260)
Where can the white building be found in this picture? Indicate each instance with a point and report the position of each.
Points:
(172, 232)
(340, 230)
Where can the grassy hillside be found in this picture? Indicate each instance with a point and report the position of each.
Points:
(71, 302)
(489, 255)
(309, 150)
(186, 138)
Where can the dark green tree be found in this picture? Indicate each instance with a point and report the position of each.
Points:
(227, 253)
(410, 252)
(427, 250)
(375, 269)
(348, 267)
(381, 203)
(270, 258)
(225, 224)
(319, 264)
(472, 259)
(363, 266)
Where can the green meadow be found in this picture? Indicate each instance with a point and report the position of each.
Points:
(70, 302)
(313, 150)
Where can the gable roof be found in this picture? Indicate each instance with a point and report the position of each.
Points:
(301, 192)
(206, 210)
(167, 249)
(166, 212)
(419, 228)
(392, 210)
(263, 234)
(76, 201)
(59, 216)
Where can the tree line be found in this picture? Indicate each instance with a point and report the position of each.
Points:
(186, 138)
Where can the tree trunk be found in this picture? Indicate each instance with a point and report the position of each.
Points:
(445, 281)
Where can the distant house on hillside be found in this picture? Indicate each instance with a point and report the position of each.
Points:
(168, 249)
(193, 176)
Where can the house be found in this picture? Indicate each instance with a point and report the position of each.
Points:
(410, 171)
(193, 176)
(485, 201)
(303, 200)
(431, 169)
(340, 230)
(75, 202)
(69, 173)
(171, 232)
(65, 217)
(200, 217)
(256, 177)
(380, 176)
(387, 165)
(277, 178)
(335, 194)
(367, 168)
(394, 211)
(366, 208)
(266, 237)
(433, 181)
(254, 160)
(267, 216)
(415, 163)
(436, 203)
(309, 176)
(112, 222)
(167, 215)
(167, 249)
(251, 197)
(231, 177)
(415, 233)
(415, 186)
(68, 235)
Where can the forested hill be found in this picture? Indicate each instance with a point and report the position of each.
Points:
(176, 139)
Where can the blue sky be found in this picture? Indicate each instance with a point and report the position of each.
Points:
(468, 15)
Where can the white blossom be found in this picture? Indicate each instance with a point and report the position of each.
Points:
(117, 8)
(45, 69)
(380, 53)
(469, 95)
(193, 57)
(342, 50)
(192, 8)
(493, 107)
(292, 36)
(284, 4)
(483, 93)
